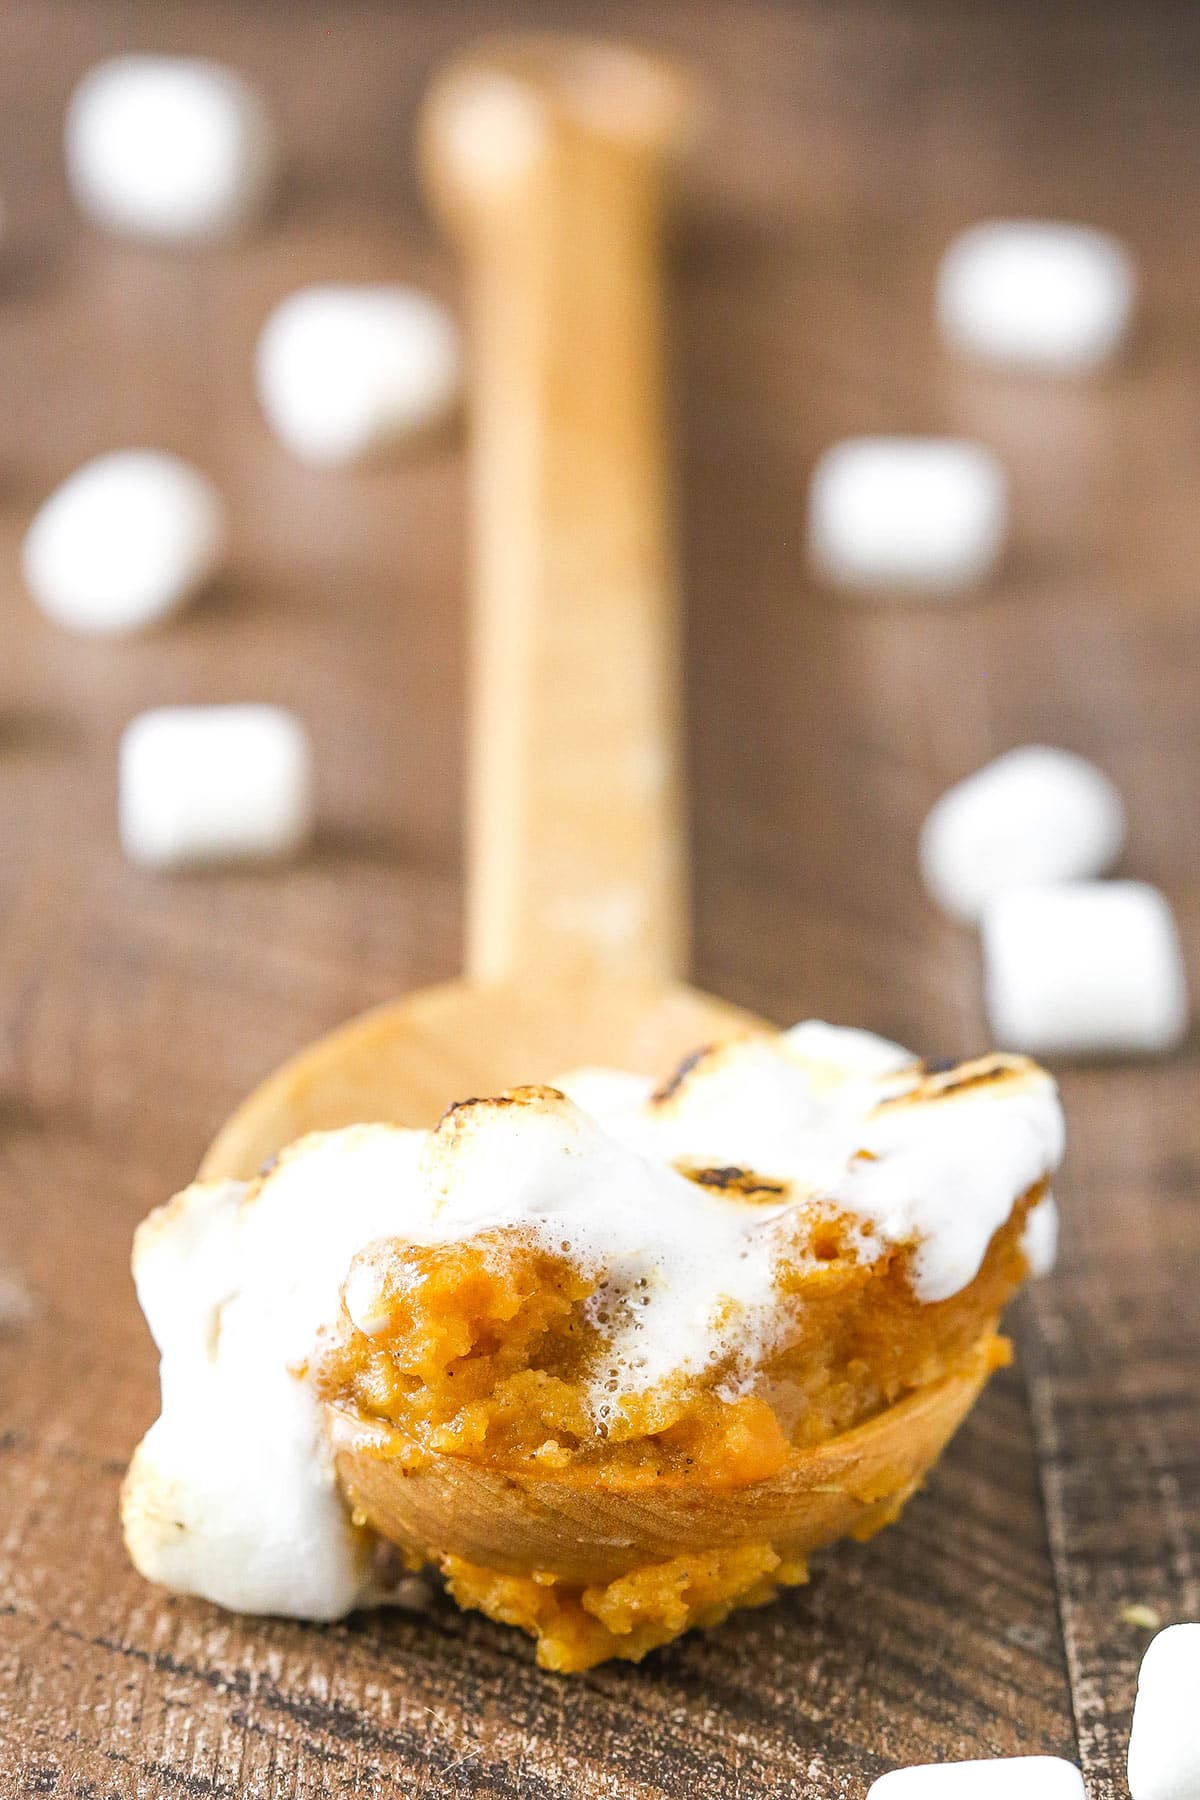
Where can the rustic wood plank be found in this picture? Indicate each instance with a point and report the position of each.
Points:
(1113, 1365)
(846, 144)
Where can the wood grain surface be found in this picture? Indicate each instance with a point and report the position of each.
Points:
(846, 144)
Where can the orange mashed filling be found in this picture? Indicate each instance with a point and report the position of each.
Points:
(488, 1351)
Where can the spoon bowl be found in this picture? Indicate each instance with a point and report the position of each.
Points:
(583, 1533)
(404, 1063)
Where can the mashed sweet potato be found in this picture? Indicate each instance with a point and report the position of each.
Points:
(489, 1350)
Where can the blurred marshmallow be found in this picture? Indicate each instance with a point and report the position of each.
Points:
(907, 514)
(169, 147)
(1035, 294)
(1034, 815)
(201, 784)
(345, 371)
(1164, 1745)
(1084, 968)
(1002, 1778)
(125, 540)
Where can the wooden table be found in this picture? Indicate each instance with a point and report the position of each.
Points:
(847, 143)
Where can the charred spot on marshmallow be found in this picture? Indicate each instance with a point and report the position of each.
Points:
(676, 1079)
(710, 1060)
(948, 1082)
(744, 1183)
(531, 1096)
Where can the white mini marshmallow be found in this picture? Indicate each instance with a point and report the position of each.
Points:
(205, 784)
(1001, 1778)
(126, 540)
(1164, 1745)
(170, 148)
(907, 514)
(1084, 968)
(1033, 815)
(1035, 294)
(344, 371)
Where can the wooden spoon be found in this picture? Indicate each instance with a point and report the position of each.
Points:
(548, 158)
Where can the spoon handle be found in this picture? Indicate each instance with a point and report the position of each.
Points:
(547, 159)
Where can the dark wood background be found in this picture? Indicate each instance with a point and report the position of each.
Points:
(847, 143)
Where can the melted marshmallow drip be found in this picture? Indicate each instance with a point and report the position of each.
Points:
(1039, 1239)
(233, 1494)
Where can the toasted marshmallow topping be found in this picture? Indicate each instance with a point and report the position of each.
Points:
(848, 1120)
(680, 1201)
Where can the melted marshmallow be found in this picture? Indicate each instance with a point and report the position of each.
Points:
(232, 1494)
(1039, 1238)
(846, 1118)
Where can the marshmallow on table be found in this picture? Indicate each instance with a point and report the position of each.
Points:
(343, 371)
(1036, 294)
(907, 514)
(1164, 1746)
(125, 540)
(1033, 815)
(202, 784)
(1084, 968)
(1001, 1778)
(170, 148)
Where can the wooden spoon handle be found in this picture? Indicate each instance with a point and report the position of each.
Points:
(547, 157)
